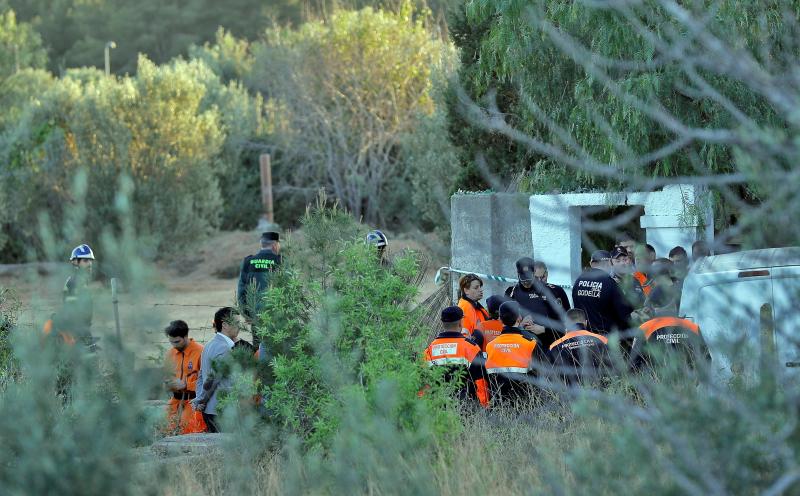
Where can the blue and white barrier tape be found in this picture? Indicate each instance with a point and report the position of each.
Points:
(439, 278)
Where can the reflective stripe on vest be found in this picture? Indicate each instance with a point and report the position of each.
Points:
(657, 323)
(507, 370)
(509, 353)
(449, 361)
(575, 334)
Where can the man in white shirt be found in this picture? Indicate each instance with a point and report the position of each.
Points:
(212, 379)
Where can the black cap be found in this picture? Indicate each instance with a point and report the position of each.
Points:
(270, 236)
(600, 256)
(452, 314)
(619, 251)
(509, 313)
(525, 269)
(493, 303)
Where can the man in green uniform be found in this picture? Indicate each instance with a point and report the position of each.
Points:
(255, 277)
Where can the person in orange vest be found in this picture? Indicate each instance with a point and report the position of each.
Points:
(666, 335)
(645, 256)
(470, 293)
(513, 359)
(579, 354)
(492, 328)
(460, 355)
(183, 365)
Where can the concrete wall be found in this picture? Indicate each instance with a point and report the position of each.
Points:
(489, 233)
(671, 217)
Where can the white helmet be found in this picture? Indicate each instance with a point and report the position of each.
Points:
(377, 238)
(82, 251)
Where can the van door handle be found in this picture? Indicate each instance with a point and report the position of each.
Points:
(793, 364)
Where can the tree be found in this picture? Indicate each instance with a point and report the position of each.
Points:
(163, 128)
(20, 46)
(76, 31)
(586, 79)
(344, 92)
(626, 97)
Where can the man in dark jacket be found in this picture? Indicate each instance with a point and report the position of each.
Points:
(580, 354)
(255, 276)
(543, 303)
(598, 294)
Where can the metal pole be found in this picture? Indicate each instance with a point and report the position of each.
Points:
(108, 48)
(115, 302)
(265, 163)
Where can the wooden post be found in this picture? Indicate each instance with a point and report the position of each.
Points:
(266, 187)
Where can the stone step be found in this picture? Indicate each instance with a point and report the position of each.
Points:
(204, 444)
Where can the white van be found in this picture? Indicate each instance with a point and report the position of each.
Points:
(746, 305)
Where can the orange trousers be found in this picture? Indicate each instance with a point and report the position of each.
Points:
(191, 421)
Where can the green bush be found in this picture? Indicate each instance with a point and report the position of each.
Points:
(9, 311)
(339, 328)
(175, 130)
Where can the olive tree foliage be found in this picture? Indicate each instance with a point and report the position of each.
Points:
(344, 93)
(20, 45)
(171, 129)
(432, 163)
(22, 58)
(624, 95)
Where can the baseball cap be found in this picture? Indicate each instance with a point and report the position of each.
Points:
(600, 256)
(452, 314)
(525, 269)
(493, 303)
(270, 236)
(619, 251)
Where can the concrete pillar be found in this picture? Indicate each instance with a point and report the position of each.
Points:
(489, 233)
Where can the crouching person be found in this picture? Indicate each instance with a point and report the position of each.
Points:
(183, 364)
(513, 359)
(460, 355)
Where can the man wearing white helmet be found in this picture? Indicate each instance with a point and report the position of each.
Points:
(78, 309)
(377, 239)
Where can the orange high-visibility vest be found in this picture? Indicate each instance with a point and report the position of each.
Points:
(185, 366)
(575, 334)
(457, 351)
(472, 316)
(510, 353)
(66, 337)
(657, 323)
(641, 277)
(490, 329)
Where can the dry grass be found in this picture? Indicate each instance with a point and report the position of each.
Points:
(501, 452)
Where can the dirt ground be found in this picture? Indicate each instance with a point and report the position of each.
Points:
(192, 291)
